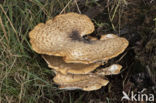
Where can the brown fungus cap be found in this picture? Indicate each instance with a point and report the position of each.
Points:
(60, 65)
(62, 36)
(113, 69)
(86, 82)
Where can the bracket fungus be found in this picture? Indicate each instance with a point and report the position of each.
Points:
(60, 65)
(86, 82)
(62, 45)
(63, 36)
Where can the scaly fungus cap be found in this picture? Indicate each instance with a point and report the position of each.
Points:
(62, 36)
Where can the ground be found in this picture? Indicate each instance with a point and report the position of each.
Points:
(26, 78)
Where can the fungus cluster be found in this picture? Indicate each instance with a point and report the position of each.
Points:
(72, 57)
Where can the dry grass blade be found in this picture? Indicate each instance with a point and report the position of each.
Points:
(4, 31)
(17, 37)
(77, 6)
(65, 6)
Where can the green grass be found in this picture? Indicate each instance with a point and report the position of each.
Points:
(24, 76)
